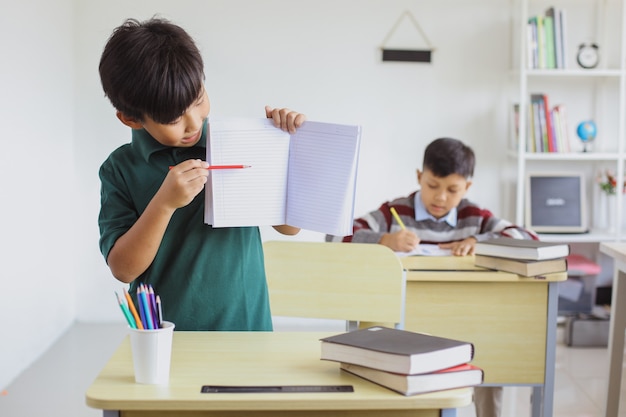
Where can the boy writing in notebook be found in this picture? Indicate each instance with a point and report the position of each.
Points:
(151, 220)
(439, 213)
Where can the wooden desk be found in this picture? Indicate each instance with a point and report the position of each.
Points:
(618, 325)
(254, 358)
(510, 319)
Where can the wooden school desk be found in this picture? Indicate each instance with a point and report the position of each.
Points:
(248, 359)
(510, 319)
(618, 325)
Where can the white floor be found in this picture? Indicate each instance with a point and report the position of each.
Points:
(55, 385)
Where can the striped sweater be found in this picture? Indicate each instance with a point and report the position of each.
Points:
(472, 221)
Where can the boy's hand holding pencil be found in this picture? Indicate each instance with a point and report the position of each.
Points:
(403, 240)
(183, 183)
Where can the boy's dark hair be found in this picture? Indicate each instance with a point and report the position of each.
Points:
(445, 156)
(151, 68)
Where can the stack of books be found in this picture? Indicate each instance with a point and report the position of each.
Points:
(529, 258)
(407, 362)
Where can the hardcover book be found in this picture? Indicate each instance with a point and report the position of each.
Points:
(534, 250)
(398, 351)
(521, 266)
(456, 377)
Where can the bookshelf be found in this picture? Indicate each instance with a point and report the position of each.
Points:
(597, 94)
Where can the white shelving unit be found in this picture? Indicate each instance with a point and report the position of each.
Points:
(598, 94)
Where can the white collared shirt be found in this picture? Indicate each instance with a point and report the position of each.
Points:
(422, 214)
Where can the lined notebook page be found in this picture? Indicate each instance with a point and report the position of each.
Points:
(307, 180)
(252, 196)
(323, 159)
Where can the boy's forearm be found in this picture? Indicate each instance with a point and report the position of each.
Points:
(367, 236)
(135, 250)
(495, 227)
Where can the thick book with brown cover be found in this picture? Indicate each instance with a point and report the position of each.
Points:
(456, 377)
(534, 250)
(394, 350)
(522, 266)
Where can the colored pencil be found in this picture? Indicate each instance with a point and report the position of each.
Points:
(142, 314)
(153, 307)
(237, 166)
(397, 217)
(159, 311)
(133, 310)
(146, 308)
(124, 308)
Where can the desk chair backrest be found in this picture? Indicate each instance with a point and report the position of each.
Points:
(357, 282)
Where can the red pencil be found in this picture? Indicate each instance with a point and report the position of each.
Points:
(226, 166)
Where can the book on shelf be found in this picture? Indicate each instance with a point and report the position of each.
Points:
(536, 132)
(542, 123)
(557, 129)
(548, 28)
(541, 41)
(563, 35)
(557, 28)
(460, 376)
(549, 130)
(535, 250)
(563, 139)
(546, 40)
(547, 127)
(306, 179)
(523, 267)
(532, 48)
(393, 350)
(545, 120)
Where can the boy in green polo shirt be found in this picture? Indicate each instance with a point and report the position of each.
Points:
(151, 219)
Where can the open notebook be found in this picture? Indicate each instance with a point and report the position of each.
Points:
(306, 180)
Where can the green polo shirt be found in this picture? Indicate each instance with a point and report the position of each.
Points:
(208, 278)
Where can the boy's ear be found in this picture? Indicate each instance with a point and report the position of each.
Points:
(468, 184)
(129, 121)
(419, 176)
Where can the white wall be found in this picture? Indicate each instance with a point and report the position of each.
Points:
(37, 291)
(321, 58)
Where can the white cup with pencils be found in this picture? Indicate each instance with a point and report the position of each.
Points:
(150, 336)
(152, 354)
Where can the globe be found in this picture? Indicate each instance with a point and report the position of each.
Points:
(586, 131)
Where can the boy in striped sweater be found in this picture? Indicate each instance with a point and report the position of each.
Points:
(439, 214)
